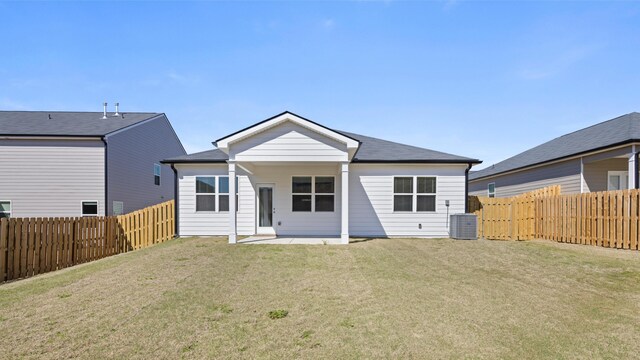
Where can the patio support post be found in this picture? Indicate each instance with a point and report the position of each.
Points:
(232, 203)
(633, 168)
(344, 233)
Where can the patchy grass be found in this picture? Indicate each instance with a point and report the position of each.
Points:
(278, 314)
(400, 298)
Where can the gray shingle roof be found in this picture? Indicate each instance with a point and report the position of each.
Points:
(62, 123)
(371, 150)
(620, 130)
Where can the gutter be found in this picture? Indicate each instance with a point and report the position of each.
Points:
(106, 177)
(466, 188)
(175, 199)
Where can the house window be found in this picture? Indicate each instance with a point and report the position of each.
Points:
(617, 180)
(156, 174)
(414, 194)
(223, 193)
(212, 193)
(5, 208)
(205, 193)
(324, 193)
(89, 208)
(301, 190)
(315, 193)
(403, 194)
(426, 194)
(491, 190)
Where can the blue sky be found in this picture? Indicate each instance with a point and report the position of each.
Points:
(480, 79)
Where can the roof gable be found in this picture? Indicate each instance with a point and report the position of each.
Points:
(225, 142)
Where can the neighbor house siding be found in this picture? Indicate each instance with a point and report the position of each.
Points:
(288, 142)
(371, 200)
(50, 178)
(596, 174)
(132, 153)
(566, 174)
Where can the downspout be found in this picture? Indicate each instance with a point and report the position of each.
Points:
(637, 168)
(466, 188)
(106, 175)
(175, 199)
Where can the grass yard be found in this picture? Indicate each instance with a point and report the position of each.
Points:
(400, 298)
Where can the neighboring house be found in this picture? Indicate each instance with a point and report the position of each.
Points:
(598, 158)
(296, 177)
(67, 164)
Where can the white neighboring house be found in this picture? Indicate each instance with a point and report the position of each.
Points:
(292, 176)
(70, 164)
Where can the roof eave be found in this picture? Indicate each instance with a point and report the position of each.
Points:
(566, 157)
(418, 161)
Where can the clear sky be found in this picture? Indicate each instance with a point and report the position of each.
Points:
(479, 79)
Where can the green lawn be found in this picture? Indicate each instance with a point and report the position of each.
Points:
(399, 298)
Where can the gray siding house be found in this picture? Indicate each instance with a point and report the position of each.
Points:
(67, 164)
(601, 157)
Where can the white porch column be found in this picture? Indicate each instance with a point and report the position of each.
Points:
(232, 203)
(632, 168)
(344, 233)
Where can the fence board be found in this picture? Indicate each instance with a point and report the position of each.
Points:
(607, 219)
(31, 246)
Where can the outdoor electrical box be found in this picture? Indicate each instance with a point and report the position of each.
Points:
(464, 227)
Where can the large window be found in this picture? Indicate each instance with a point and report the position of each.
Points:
(156, 174)
(89, 208)
(617, 180)
(212, 193)
(414, 194)
(5, 208)
(491, 190)
(315, 193)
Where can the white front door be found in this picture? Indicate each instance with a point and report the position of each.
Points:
(265, 210)
(618, 180)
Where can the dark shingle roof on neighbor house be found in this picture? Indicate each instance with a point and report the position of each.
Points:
(371, 150)
(617, 131)
(64, 123)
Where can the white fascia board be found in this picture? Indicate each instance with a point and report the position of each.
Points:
(224, 143)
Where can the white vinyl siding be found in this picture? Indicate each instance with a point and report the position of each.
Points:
(371, 200)
(286, 222)
(50, 178)
(288, 142)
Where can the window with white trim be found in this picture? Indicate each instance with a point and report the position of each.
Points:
(89, 208)
(5, 208)
(313, 193)
(212, 193)
(156, 173)
(414, 194)
(491, 189)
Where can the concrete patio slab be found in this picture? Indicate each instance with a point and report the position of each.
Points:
(299, 240)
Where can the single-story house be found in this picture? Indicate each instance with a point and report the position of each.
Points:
(601, 157)
(292, 176)
(69, 164)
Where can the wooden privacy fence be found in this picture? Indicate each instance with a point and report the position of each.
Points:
(608, 218)
(31, 246)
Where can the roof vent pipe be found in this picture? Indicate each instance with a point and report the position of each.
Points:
(117, 114)
(104, 113)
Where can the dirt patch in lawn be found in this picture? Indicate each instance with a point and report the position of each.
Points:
(399, 298)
